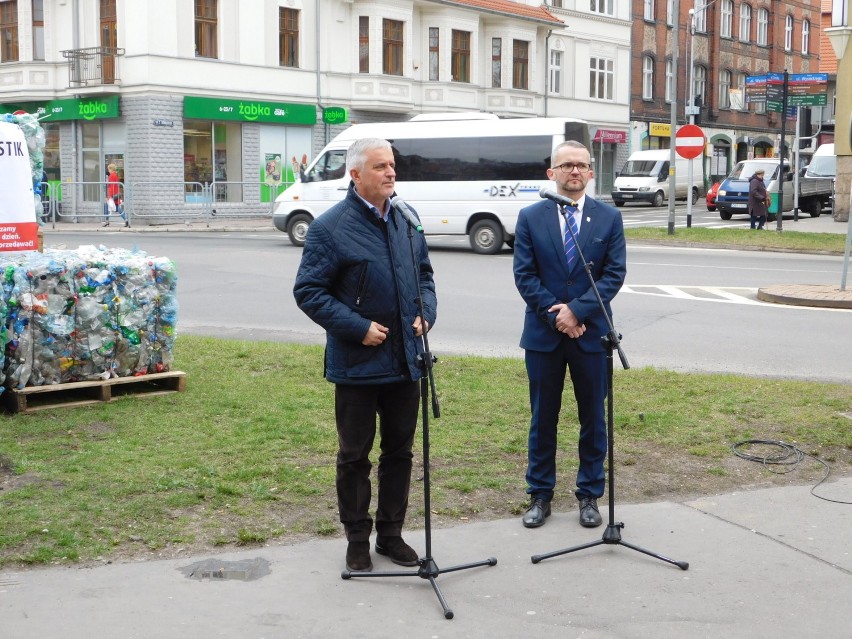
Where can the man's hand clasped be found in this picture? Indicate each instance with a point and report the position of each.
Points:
(566, 321)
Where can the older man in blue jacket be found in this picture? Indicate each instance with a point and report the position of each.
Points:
(357, 280)
(564, 325)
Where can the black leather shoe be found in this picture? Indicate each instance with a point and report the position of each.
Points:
(399, 552)
(590, 516)
(538, 510)
(358, 556)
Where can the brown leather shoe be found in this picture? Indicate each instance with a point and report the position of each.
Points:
(399, 552)
(358, 556)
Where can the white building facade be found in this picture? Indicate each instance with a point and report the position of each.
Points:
(224, 98)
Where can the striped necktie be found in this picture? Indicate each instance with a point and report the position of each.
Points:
(570, 226)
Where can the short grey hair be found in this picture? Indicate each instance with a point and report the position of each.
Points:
(356, 156)
(567, 143)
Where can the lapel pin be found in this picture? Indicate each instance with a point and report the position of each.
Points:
(588, 219)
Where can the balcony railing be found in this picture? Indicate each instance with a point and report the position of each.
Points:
(93, 66)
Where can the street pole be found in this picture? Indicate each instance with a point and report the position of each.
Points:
(848, 248)
(780, 208)
(691, 111)
(672, 157)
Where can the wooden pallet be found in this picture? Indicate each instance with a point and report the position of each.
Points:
(35, 398)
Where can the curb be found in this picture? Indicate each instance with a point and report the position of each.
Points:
(822, 296)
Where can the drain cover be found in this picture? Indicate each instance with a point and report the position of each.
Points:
(218, 570)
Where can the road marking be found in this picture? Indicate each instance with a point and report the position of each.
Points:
(718, 294)
(728, 295)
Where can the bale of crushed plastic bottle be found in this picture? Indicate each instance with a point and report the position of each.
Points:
(87, 314)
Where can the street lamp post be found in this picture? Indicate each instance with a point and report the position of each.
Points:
(690, 110)
(672, 156)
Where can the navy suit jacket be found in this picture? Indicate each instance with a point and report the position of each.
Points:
(543, 279)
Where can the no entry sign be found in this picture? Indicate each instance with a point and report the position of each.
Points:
(689, 141)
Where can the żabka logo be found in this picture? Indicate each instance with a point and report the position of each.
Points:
(254, 111)
(91, 110)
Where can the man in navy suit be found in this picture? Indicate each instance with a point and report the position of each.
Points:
(564, 325)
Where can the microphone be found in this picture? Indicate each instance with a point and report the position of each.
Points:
(402, 208)
(552, 195)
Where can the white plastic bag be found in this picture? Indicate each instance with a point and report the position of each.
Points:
(110, 205)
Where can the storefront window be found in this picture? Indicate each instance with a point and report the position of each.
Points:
(51, 151)
(94, 173)
(212, 156)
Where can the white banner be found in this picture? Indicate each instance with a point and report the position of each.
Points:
(18, 226)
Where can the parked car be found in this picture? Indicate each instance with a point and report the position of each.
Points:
(711, 197)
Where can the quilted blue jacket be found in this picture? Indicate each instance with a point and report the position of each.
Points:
(356, 269)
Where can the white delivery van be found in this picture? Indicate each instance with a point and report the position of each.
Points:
(645, 178)
(823, 163)
(465, 174)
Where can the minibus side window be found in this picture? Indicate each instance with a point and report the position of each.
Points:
(330, 166)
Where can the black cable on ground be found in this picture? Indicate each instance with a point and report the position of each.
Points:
(788, 455)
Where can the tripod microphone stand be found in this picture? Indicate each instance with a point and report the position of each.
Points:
(612, 534)
(428, 568)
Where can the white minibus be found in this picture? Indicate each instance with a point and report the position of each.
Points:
(465, 174)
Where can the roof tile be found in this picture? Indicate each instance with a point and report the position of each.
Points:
(510, 8)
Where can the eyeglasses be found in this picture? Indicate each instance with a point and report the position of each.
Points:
(568, 167)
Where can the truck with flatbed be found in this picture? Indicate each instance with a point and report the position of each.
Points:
(732, 197)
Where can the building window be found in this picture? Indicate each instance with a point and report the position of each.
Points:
(363, 44)
(601, 78)
(669, 77)
(109, 40)
(669, 11)
(762, 26)
(288, 37)
(434, 51)
(555, 72)
(556, 3)
(699, 83)
(806, 34)
(38, 29)
(206, 28)
(724, 89)
(745, 22)
(648, 9)
(602, 6)
(788, 33)
(496, 62)
(461, 56)
(700, 16)
(392, 47)
(726, 26)
(520, 64)
(647, 78)
(9, 31)
(741, 85)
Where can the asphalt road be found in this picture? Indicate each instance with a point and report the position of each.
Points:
(683, 309)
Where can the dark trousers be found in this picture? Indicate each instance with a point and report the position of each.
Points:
(546, 372)
(759, 220)
(356, 408)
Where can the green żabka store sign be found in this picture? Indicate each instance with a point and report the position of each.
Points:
(68, 109)
(248, 111)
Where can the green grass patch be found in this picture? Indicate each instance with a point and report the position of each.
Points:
(788, 239)
(246, 455)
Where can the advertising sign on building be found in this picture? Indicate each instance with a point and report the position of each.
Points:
(18, 226)
(249, 111)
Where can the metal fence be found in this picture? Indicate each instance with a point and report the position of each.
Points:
(157, 202)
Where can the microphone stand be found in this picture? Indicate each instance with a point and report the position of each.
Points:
(612, 534)
(428, 568)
